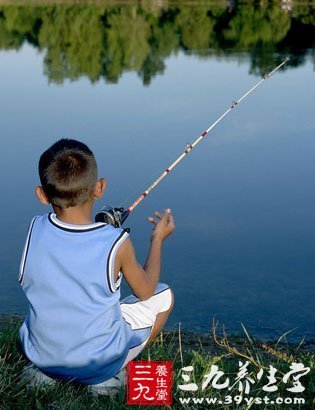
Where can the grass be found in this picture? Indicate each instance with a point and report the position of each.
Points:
(224, 352)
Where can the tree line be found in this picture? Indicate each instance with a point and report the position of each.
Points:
(103, 41)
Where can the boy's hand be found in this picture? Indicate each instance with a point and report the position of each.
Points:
(164, 226)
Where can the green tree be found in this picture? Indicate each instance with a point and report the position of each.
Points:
(104, 41)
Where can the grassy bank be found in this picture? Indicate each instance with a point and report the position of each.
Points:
(199, 351)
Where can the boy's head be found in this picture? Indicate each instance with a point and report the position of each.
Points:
(68, 174)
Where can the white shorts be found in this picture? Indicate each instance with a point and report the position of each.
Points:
(141, 316)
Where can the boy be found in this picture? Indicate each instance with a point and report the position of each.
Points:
(77, 328)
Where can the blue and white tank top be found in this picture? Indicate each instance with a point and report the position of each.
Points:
(74, 328)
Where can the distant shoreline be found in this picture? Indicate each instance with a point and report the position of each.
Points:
(195, 340)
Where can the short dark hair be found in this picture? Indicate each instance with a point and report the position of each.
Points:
(68, 173)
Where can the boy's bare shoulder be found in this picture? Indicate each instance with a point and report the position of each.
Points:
(126, 251)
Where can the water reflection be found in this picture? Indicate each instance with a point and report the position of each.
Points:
(104, 41)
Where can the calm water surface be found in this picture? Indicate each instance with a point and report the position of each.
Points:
(136, 85)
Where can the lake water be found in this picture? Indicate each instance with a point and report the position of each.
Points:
(136, 83)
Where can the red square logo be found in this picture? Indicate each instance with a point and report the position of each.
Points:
(149, 383)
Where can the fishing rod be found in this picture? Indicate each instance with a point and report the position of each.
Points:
(117, 216)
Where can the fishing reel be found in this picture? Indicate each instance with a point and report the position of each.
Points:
(112, 216)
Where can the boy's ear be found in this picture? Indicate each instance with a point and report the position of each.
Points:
(99, 189)
(39, 192)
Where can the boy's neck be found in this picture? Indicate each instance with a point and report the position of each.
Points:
(76, 215)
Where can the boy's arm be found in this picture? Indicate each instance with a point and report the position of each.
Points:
(143, 281)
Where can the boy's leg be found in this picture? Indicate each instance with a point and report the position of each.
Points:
(160, 321)
(146, 317)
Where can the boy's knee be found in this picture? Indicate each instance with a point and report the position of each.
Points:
(170, 303)
(172, 300)
(167, 298)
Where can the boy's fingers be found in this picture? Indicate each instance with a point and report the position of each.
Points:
(150, 219)
(167, 217)
(166, 214)
(171, 220)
